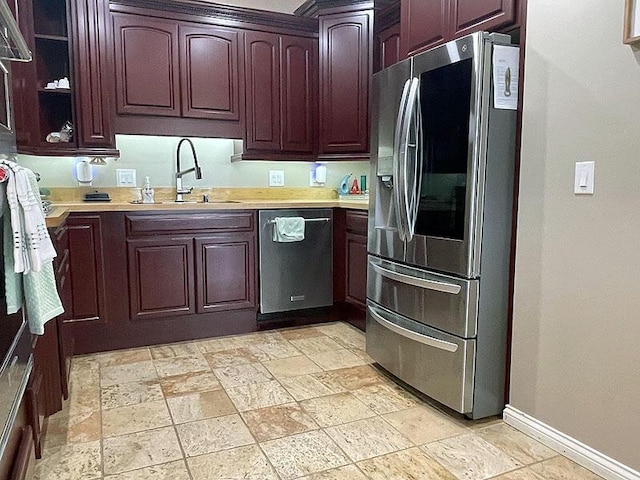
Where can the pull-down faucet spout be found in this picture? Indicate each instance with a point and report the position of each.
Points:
(180, 191)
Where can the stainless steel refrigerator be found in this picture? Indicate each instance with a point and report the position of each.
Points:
(440, 223)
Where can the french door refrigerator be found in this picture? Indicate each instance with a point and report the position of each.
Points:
(440, 223)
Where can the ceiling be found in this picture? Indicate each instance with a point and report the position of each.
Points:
(283, 6)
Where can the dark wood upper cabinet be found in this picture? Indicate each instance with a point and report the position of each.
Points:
(298, 93)
(154, 292)
(345, 68)
(93, 63)
(147, 65)
(468, 16)
(226, 268)
(388, 50)
(262, 74)
(425, 23)
(210, 72)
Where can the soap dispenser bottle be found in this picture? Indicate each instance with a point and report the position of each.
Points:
(147, 191)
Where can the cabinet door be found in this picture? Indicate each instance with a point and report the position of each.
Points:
(345, 64)
(388, 47)
(86, 269)
(298, 93)
(262, 61)
(468, 16)
(226, 272)
(161, 277)
(147, 65)
(424, 24)
(93, 65)
(209, 70)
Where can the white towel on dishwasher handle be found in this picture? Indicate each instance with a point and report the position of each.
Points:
(288, 229)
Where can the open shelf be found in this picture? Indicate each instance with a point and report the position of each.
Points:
(52, 38)
(57, 91)
(50, 17)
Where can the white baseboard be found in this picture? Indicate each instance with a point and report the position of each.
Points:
(577, 451)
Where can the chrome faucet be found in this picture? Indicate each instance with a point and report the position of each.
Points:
(180, 191)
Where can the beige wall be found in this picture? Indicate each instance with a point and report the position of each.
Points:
(576, 346)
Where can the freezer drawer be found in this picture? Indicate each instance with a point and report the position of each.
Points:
(437, 364)
(440, 301)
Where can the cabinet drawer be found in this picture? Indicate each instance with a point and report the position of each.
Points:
(184, 224)
(357, 221)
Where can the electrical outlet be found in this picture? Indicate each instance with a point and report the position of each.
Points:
(125, 177)
(276, 178)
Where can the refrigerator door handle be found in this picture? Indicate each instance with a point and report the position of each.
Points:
(416, 168)
(418, 337)
(418, 282)
(400, 186)
(405, 144)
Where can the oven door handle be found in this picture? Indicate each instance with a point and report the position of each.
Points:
(418, 282)
(418, 337)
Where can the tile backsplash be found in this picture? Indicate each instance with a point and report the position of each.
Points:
(156, 157)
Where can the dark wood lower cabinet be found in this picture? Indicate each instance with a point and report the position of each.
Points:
(161, 279)
(225, 268)
(356, 269)
(167, 277)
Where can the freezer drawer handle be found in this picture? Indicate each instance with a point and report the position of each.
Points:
(425, 340)
(417, 282)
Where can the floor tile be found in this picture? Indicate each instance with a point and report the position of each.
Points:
(317, 344)
(242, 375)
(71, 462)
(198, 406)
(124, 394)
(81, 428)
(308, 386)
(352, 378)
(361, 353)
(168, 367)
(523, 474)
(174, 350)
(168, 471)
(561, 468)
(516, 444)
(423, 424)
(85, 373)
(235, 356)
(278, 421)
(82, 400)
(135, 418)
(385, 398)
(243, 463)
(412, 464)
(470, 457)
(219, 344)
(213, 434)
(346, 335)
(123, 357)
(337, 359)
(139, 450)
(292, 367)
(258, 395)
(336, 409)
(303, 454)
(131, 372)
(300, 332)
(348, 472)
(277, 349)
(368, 438)
(189, 383)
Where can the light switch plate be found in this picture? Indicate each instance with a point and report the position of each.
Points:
(584, 178)
(125, 177)
(276, 178)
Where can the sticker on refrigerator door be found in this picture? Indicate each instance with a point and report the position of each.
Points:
(505, 77)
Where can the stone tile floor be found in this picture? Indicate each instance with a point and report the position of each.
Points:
(303, 403)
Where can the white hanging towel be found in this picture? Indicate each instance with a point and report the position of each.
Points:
(288, 229)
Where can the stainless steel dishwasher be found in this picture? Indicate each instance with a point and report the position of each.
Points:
(296, 275)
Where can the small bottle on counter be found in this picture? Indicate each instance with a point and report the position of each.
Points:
(147, 191)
